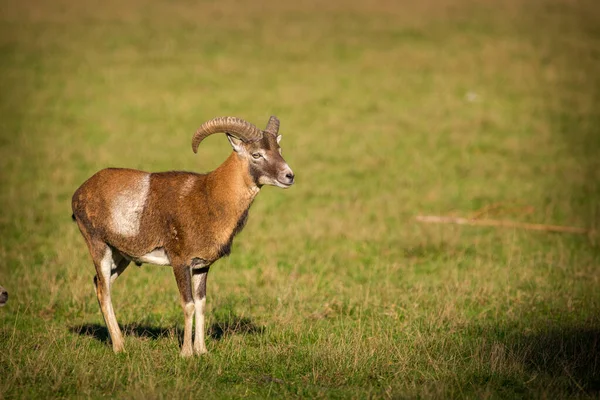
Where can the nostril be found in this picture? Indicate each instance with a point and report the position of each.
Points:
(290, 176)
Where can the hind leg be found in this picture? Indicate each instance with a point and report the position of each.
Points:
(104, 261)
(109, 265)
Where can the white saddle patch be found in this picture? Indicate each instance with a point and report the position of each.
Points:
(156, 256)
(127, 207)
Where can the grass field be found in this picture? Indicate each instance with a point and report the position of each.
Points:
(389, 109)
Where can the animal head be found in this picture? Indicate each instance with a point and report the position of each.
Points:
(3, 296)
(260, 149)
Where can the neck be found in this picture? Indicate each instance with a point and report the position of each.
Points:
(233, 180)
(232, 189)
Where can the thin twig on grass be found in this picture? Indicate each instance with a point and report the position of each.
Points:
(435, 219)
(502, 207)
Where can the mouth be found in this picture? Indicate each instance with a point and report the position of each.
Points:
(283, 184)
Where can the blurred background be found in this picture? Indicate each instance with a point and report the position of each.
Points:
(388, 109)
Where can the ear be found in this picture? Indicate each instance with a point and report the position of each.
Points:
(235, 143)
(278, 139)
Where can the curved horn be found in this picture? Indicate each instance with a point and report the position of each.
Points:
(234, 126)
(273, 125)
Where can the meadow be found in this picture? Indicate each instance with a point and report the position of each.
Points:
(388, 109)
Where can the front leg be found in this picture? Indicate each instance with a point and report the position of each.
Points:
(184, 284)
(199, 282)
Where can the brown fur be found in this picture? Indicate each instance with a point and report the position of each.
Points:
(192, 217)
(197, 224)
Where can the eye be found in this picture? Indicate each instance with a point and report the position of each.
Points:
(256, 156)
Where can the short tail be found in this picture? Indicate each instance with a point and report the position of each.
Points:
(73, 217)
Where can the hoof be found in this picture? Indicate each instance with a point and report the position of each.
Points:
(185, 353)
(201, 351)
(118, 348)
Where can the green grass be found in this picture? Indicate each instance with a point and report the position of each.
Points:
(388, 110)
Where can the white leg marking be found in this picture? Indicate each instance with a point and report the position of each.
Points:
(106, 266)
(188, 312)
(127, 207)
(199, 291)
(199, 344)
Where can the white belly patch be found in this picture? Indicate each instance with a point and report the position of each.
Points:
(156, 256)
(127, 207)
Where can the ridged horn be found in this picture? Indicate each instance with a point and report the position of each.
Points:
(234, 126)
(273, 125)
